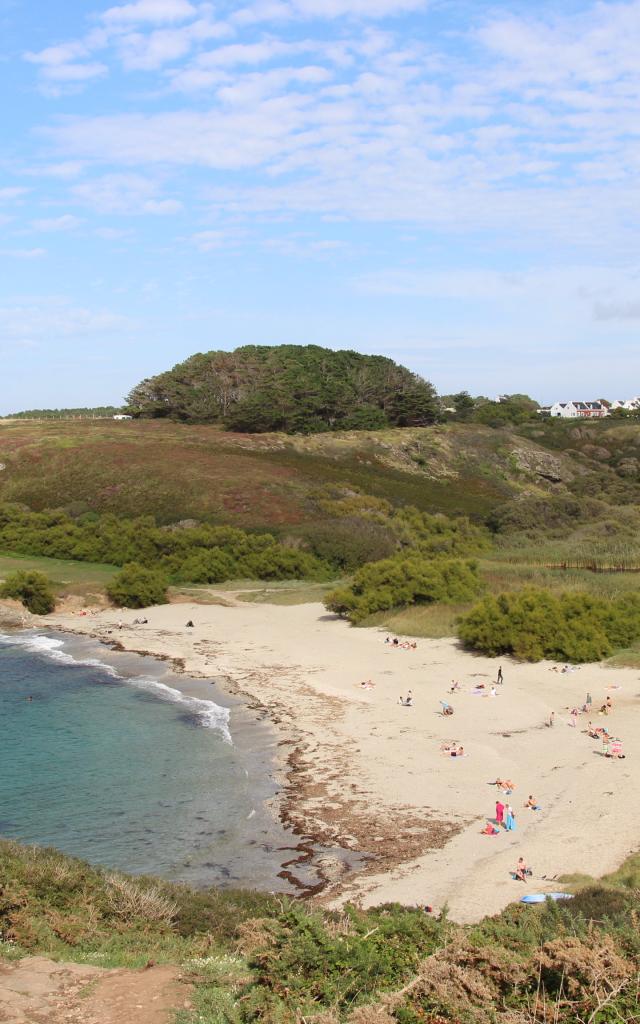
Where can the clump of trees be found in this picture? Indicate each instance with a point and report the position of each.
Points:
(32, 588)
(510, 409)
(535, 624)
(138, 587)
(199, 554)
(302, 389)
(403, 580)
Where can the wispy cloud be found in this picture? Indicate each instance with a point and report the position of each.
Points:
(66, 222)
(154, 11)
(23, 254)
(125, 194)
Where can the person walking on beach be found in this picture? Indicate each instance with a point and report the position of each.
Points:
(552, 718)
(588, 702)
(574, 717)
(510, 822)
(500, 679)
(499, 812)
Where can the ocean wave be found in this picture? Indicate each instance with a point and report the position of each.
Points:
(209, 714)
(53, 648)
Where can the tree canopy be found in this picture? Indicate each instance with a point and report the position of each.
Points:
(292, 388)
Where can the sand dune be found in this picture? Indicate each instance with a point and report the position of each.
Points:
(359, 769)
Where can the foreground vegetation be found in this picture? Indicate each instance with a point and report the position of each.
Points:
(260, 958)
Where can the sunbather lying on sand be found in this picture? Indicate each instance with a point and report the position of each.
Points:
(506, 785)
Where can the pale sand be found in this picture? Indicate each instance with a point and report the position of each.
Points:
(369, 773)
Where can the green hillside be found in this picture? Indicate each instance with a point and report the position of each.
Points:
(177, 471)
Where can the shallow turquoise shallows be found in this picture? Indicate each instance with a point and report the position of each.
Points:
(121, 768)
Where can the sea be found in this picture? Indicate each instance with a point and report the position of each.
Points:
(110, 757)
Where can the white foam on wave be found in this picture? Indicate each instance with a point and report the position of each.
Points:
(209, 714)
(53, 649)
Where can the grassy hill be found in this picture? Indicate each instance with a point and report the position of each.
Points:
(177, 471)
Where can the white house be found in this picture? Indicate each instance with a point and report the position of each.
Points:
(578, 410)
(628, 403)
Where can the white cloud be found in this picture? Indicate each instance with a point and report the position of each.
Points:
(359, 8)
(155, 11)
(12, 192)
(206, 241)
(74, 72)
(113, 234)
(23, 254)
(66, 222)
(41, 319)
(147, 51)
(55, 56)
(276, 10)
(124, 194)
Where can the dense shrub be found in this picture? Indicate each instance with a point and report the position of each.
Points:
(138, 587)
(316, 965)
(198, 554)
(546, 512)
(32, 588)
(352, 541)
(408, 527)
(534, 624)
(404, 580)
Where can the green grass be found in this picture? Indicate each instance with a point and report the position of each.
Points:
(286, 593)
(60, 571)
(432, 621)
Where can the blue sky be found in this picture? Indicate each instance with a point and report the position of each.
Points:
(454, 184)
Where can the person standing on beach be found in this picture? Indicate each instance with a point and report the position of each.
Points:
(574, 717)
(500, 679)
(499, 812)
(510, 823)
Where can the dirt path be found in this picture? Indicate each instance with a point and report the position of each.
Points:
(40, 991)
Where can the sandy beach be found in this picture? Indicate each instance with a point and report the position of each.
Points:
(361, 771)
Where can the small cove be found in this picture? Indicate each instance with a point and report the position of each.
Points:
(120, 762)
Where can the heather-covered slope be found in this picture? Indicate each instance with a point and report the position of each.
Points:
(268, 481)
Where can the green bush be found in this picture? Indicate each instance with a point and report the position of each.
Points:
(405, 580)
(138, 587)
(32, 588)
(197, 554)
(535, 624)
(352, 541)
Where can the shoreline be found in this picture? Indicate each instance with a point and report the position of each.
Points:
(304, 863)
(361, 773)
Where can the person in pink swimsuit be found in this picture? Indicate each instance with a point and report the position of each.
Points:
(499, 812)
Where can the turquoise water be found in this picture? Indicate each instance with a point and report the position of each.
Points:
(110, 762)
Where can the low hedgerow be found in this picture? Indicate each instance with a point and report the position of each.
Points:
(536, 624)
